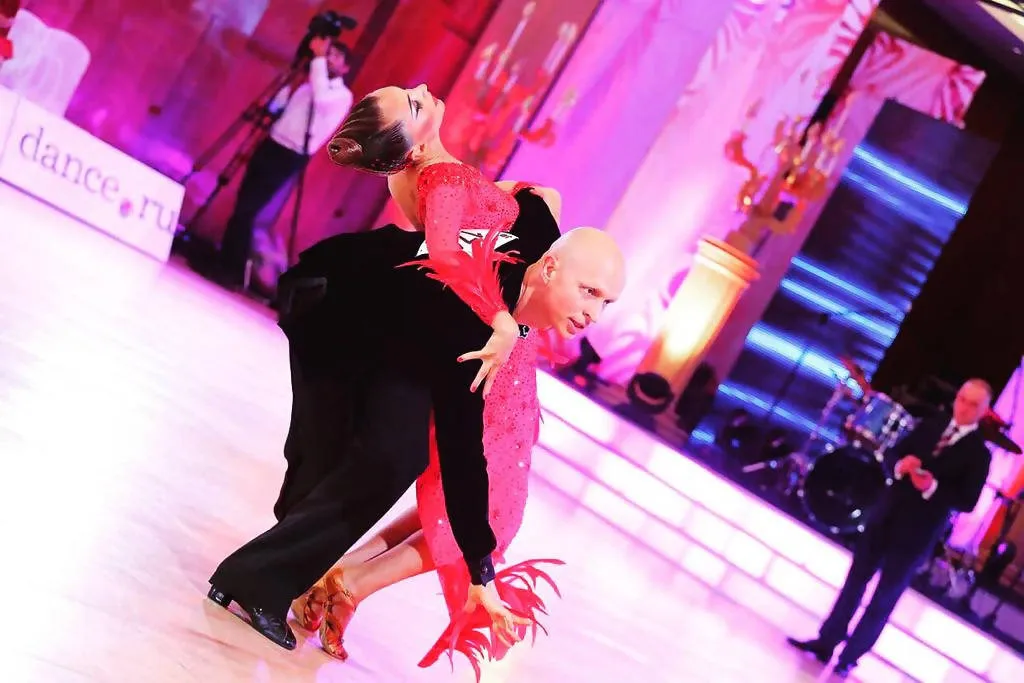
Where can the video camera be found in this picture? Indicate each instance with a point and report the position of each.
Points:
(327, 24)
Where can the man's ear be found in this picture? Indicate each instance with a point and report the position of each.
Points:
(548, 267)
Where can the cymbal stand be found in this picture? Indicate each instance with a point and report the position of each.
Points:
(801, 457)
(838, 393)
(798, 457)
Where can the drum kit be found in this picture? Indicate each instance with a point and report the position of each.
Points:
(837, 483)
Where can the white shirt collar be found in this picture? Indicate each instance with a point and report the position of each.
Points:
(962, 430)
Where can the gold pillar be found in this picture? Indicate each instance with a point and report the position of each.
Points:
(708, 295)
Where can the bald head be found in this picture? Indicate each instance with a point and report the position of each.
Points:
(595, 248)
(581, 273)
(586, 239)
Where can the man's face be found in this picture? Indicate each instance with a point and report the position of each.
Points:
(337, 64)
(971, 404)
(577, 290)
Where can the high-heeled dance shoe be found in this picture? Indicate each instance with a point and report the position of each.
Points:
(339, 609)
(309, 607)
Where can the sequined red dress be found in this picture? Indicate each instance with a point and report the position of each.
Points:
(455, 198)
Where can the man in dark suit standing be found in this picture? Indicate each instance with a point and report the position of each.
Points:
(941, 467)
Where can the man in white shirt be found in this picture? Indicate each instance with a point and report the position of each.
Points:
(940, 467)
(321, 103)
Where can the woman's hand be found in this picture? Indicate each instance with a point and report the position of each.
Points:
(495, 352)
(503, 622)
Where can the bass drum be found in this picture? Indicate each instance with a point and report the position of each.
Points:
(840, 487)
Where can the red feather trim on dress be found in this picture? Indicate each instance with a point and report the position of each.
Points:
(474, 276)
(470, 632)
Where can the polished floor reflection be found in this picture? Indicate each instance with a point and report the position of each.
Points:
(142, 414)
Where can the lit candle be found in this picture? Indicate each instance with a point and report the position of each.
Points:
(548, 66)
(513, 76)
(524, 114)
(811, 142)
(834, 150)
(513, 39)
(838, 125)
(564, 105)
(485, 59)
(829, 165)
(567, 33)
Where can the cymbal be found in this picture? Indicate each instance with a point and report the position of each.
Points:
(1000, 440)
(856, 373)
(993, 417)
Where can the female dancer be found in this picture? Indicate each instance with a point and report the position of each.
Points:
(395, 132)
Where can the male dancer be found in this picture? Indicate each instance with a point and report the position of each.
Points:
(559, 282)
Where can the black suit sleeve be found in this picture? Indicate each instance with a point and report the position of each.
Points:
(961, 491)
(458, 425)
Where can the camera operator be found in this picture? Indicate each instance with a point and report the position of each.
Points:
(320, 104)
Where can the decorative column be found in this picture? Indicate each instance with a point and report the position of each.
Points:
(772, 203)
(718, 278)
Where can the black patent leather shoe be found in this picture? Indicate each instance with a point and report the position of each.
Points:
(821, 652)
(842, 670)
(270, 626)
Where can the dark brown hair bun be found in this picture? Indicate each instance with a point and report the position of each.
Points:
(345, 151)
(369, 143)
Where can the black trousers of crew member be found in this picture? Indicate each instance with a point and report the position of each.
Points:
(271, 167)
(894, 553)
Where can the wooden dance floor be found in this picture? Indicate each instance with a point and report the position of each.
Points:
(142, 416)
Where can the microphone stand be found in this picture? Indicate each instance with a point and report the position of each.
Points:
(798, 456)
(837, 394)
(824, 317)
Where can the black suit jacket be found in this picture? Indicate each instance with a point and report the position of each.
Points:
(960, 469)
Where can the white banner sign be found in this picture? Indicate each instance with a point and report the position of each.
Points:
(54, 160)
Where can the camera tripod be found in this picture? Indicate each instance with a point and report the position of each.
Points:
(254, 124)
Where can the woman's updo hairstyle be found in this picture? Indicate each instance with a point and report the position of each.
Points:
(365, 143)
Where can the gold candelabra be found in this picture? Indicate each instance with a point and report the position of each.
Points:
(504, 103)
(723, 270)
(803, 165)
